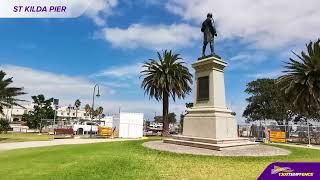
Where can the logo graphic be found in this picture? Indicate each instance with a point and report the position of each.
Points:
(278, 169)
(43, 8)
(289, 170)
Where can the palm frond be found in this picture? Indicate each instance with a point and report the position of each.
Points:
(8, 93)
(301, 79)
(167, 75)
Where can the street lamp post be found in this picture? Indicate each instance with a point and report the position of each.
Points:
(56, 106)
(92, 108)
(69, 110)
(309, 140)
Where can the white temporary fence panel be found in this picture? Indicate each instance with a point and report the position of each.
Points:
(130, 125)
(108, 121)
(135, 130)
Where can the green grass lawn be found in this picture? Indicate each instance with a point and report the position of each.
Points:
(130, 160)
(21, 137)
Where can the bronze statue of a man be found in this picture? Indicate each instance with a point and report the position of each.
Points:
(209, 31)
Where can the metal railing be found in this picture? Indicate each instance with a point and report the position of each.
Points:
(305, 134)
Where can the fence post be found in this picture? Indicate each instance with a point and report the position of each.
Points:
(289, 131)
(309, 133)
(285, 132)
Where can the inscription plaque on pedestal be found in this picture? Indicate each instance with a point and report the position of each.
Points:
(203, 88)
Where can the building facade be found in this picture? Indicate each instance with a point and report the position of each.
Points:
(15, 113)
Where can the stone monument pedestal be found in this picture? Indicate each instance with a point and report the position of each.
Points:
(209, 123)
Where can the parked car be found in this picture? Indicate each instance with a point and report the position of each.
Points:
(85, 127)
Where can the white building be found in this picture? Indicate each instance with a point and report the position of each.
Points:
(70, 112)
(15, 113)
(62, 113)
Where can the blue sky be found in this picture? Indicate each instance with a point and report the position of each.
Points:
(63, 58)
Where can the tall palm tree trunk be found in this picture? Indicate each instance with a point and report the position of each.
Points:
(165, 111)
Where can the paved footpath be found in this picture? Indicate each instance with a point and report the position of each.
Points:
(300, 145)
(30, 144)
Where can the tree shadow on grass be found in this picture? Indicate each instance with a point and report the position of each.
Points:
(3, 139)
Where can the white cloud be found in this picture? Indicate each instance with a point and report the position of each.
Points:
(246, 60)
(266, 24)
(50, 84)
(268, 74)
(99, 9)
(152, 36)
(122, 72)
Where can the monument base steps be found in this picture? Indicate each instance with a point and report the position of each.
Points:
(208, 143)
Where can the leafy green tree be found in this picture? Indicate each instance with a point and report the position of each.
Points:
(147, 123)
(158, 119)
(301, 80)
(8, 94)
(4, 125)
(266, 102)
(165, 78)
(171, 118)
(42, 109)
(77, 104)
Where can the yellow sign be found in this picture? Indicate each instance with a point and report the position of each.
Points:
(277, 140)
(277, 136)
(105, 131)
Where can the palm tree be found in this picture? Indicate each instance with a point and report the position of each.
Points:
(165, 78)
(87, 108)
(8, 93)
(69, 111)
(77, 104)
(99, 111)
(301, 81)
(103, 115)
